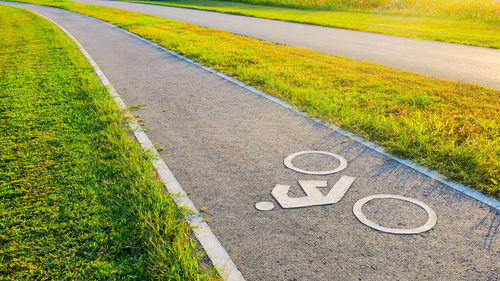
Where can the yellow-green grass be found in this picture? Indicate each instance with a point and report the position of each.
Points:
(479, 9)
(78, 200)
(453, 29)
(449, 126)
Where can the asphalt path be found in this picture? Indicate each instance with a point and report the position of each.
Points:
(226, 146)
(455, 62)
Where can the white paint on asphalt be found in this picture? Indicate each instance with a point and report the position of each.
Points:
(264, 206)
(431, 220)
(217, 254)
(288, 163)
(313, 197)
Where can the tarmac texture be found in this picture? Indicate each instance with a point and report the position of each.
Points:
(226, 146)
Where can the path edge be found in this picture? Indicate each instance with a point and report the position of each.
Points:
(481, 197)
(214, 249)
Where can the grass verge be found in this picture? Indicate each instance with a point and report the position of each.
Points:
(78, 199)
(468, 31)
(448, 126)
(480, 9)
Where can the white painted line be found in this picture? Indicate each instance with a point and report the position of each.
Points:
(431, 215)
(217, 254)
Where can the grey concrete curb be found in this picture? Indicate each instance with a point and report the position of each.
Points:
(217, 254)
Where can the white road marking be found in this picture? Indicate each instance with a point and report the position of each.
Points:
(313, 197)
(264, 206)
(431, 220)
(288, 163)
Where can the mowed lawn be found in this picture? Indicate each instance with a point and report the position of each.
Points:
(472, 24)
(78, 198)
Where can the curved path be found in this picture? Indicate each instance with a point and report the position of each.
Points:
(226, 145)
(456, 62)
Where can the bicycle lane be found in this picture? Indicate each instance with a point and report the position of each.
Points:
(226, 146)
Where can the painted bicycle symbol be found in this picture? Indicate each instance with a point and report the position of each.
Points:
(314, 197)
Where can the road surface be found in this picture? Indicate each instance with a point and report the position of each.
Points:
(226, 146)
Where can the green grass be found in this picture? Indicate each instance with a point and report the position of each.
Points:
(78, 197)
(479, 9)
(464, 30)
(448, 126)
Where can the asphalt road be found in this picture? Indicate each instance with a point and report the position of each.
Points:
(226, 146)
(455, 62)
